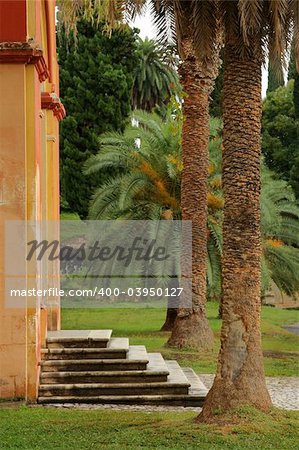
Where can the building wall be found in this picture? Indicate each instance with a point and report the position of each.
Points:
(12, 207)
(29, 177)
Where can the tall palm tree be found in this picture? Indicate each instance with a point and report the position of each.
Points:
(197, 77)
(177, 20)
(279, 230)
(250, 27)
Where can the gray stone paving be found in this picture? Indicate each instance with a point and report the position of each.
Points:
(294, 328)
(284, 391)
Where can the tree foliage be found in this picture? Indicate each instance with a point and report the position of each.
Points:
(96, 80)
(156, 78)
(293, 74)
(147, 159)
(275, 78)
(280, 135)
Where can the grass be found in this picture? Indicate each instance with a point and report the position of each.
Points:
(65, 215)
(142, 325)
(48, 429)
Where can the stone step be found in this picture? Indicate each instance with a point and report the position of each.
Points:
(110, 389)
(156, 371)
(157, 400)
(117, 348)
(197, 388)
(136, 359)
(176, 384)
(78, 338)
(195, 397)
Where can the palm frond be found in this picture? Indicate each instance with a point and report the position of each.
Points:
(164, 21)
(250, 17)
(206, 25)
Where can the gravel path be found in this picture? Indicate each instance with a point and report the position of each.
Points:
(294, 328)
(284, 392)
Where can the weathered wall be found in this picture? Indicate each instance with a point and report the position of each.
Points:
(29, 176)
(12, 207)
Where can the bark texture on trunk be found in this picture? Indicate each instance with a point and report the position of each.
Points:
(172, 311)
(171, 314)
(240, 376)
(191, 328)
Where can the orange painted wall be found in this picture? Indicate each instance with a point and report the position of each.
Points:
(12, 169)
(29, 184)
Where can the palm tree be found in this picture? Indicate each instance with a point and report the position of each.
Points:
(197, 77)
(156, 79)
(279, 230)
(136, 194)
(174, 19)
(250, 27)
(147, 159)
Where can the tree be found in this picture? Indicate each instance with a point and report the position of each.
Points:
(147, 159)
(280, 134)
(197, 77)
(156, 78)
(216, 97)
(293, 74)
(279, 230)
(248, 24)
(275, 78)
(96, 79)
(137, 194)
(178, 20)
(240, 376)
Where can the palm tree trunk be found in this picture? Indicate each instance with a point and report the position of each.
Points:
(240, 374)
(191, 328)
(171, 312)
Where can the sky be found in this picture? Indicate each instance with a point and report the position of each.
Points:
(145, 25)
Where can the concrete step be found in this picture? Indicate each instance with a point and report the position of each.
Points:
(156, 371)
(110, 389)
(197, 388)
(78, 338)
(136, 359)
(158, 400)
(176, 384)
(195, 397)
(117, 348)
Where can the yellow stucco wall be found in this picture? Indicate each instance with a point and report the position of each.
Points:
(29, 190)
(12, 207)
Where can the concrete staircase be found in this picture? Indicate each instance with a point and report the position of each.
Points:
(89, 366)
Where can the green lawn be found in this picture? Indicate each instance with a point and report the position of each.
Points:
(49, 429)
(64, 215)
(142, 325)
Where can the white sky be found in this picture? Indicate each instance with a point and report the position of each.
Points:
(144, 23)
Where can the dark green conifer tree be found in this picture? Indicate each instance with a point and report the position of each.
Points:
(280, 134)
(96, 81)
(275, 78)
(293, 74)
